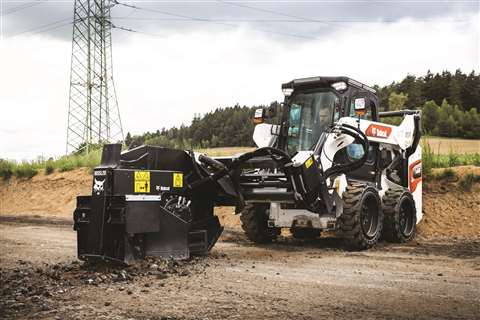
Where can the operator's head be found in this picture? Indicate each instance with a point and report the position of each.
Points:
(324, 115)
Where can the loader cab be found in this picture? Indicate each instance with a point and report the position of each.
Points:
(314, 104)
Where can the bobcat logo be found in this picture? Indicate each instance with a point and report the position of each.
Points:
(98, 186)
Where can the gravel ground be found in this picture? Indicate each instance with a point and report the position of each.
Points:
(40, 278)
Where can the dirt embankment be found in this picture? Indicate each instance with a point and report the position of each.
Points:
(449, 211)
(53, 195)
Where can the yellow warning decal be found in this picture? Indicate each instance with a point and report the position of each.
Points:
(142, 181)
(308, 163)
(178, 180)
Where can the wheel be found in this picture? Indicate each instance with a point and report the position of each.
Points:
(305, 233)
(361, 222)
(400, 222)
(254, 220)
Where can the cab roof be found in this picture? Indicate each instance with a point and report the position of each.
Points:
(325, 81)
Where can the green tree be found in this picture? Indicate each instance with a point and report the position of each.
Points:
(430, 116)
(396, 101)
(128, 139)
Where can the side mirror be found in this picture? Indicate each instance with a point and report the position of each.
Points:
(262, 114)
(360, 106)
(258, 116)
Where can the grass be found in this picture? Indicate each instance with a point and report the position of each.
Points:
(25, 170)
(28, 169)
(49, 167)
(432, 159)
(6, 169)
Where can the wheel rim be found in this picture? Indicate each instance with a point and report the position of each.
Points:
(369, 216)
(406, 217)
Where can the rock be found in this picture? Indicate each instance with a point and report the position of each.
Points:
(123, 275)
(121, 288)
(90, 281)
(44, 307)
(129, 292)
(162, 276)
(184, 273)
(107, 303)
(440, 274)
(17, 305)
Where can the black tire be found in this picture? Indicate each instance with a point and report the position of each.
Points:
(361, 222)
(400, 223)
(305, 233)
(254, 220)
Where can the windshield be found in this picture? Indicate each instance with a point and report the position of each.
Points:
(310, 114)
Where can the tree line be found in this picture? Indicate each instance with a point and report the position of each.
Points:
(450, 103)
(223, 127)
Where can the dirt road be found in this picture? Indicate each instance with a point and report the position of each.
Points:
(287, 280)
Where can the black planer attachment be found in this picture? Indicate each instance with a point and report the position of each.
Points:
(141, 205)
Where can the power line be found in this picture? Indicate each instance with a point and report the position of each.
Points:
(23, 7)
(39, 29)
(276, 13)
(137, 31)
(275, 20)
(215, 22)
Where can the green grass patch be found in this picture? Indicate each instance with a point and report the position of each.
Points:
(6, 169)
(432, 159)
(25, 170)
(49, 167)
(28, 169)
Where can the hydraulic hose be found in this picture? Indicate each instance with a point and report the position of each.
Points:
(223, 170)
(354, 133)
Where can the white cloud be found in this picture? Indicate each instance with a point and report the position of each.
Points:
(162, 82)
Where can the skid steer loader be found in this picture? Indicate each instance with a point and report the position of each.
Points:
(329, 165)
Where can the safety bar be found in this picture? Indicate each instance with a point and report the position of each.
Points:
(398, 113)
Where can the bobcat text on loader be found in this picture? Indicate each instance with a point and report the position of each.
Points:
(329, 165)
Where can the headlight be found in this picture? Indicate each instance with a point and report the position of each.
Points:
(339, 86)
(287, 92)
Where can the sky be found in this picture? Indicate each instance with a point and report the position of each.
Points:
(172, 59)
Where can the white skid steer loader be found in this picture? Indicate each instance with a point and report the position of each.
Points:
(329, 165)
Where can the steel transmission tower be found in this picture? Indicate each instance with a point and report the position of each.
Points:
(93, 113)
